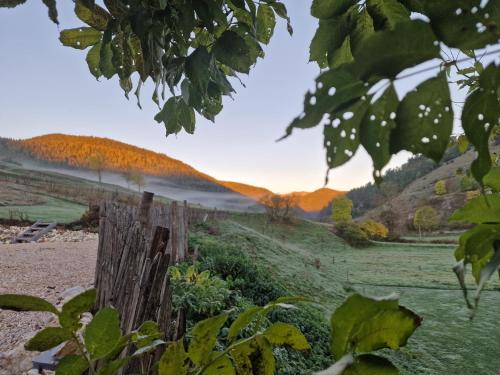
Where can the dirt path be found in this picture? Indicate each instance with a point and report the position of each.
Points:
(45, 270)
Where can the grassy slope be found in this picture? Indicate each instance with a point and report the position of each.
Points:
(447, 343)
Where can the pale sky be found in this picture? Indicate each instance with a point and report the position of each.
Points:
(47, 88)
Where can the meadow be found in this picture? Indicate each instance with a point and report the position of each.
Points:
(309, 260)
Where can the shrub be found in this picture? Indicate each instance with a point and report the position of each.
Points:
(341, 209)
(374, 229)
(352, 234)
(440, 187)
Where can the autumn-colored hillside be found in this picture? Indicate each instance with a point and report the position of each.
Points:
(317, 200)
(254, 192)
(76, 151)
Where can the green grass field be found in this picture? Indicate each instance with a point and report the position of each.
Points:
(52, 210)
(446, 343)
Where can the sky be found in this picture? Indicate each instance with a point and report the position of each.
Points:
(47, 88)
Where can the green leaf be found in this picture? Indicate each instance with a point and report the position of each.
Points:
(71, 311)
(106, 61)
(376, 129)
(18, 302)
(232, 50)
(11, 3)
(425, 119)
(328, 8)
(80, 38)
(94, 59)
(47, 338)
(197, 67)
(94, 16)
(463, 143)
(242, 357)
(387, 53)
(122, 56)
(363, 28)
(146, 334)
(176, 114)
(204, 336)
(72, 365)
(103, 333)
(492, 179)
(243, 320)
(363, 323)
(369, 364)
(341, 136)
(387, 13)
(328, 37)
(51, 6)
(112, 368)
(221, 366)
(335, 88)
(265, 23)
(148, 348)
(479, 116)
(173, 360)
(266, 363)
(341, 55)
(286, 334)
(482, 209)
(281, 11)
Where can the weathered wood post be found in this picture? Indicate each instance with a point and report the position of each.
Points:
(136, 247)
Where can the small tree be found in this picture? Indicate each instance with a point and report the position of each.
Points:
(440, 187)
(426, 218)
(127, 176)
(390, 219)
(137, 178)
(341, 209)
(374, 229)
(279, 207)
(97, 163)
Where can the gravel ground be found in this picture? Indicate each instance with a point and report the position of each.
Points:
(57, 235)
(45, 270)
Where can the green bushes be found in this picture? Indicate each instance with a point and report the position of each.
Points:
(255, 285)
(352, 234)
(440, 187)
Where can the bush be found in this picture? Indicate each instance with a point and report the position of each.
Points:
(440, 187)
(374, 229)
(352, 234)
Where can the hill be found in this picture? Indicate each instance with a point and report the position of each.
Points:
(72, 155)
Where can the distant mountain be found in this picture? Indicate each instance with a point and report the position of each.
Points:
(75, 152)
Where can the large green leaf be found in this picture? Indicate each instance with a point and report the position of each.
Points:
(94, 59)
(197, 66)
(282, 12)
(176, 114)
(479, 116)
(243, 320)
(387, 13)
(425, 119)
(329, 8)
(286, 334)
(328, 37)
(242, 356)
(71, 311)
(369, 364)
(173, 360)
(106, 61)
(221, 366)
(265, 24)
(94, 16)
(112, 367)
(365, 324)
(376, 129)
(341, 136)
(204, 336)
(72, 365)
(122, 56)
(48, 338)
(19, 302)
(265, 364)
(387, 53)
(492, 179)
(482, 209)
(232, 50)
(80, 38)
(336, 88)
(341, 55)
(103, 333)
(362, 28)
(146, 334)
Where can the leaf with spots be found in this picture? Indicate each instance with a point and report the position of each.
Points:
(335, 89)
(173, 361)
(94, 59)
(80, 38)
(286, 334)
(376, 129)
(424, 120)
(221, 366)
(328, 37)
(479, 116)
(204, 336)
(266, 21)
(94, 16)
(369, 364)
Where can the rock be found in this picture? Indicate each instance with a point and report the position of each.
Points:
(33, 371)
(16, 361)
(70, 293)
